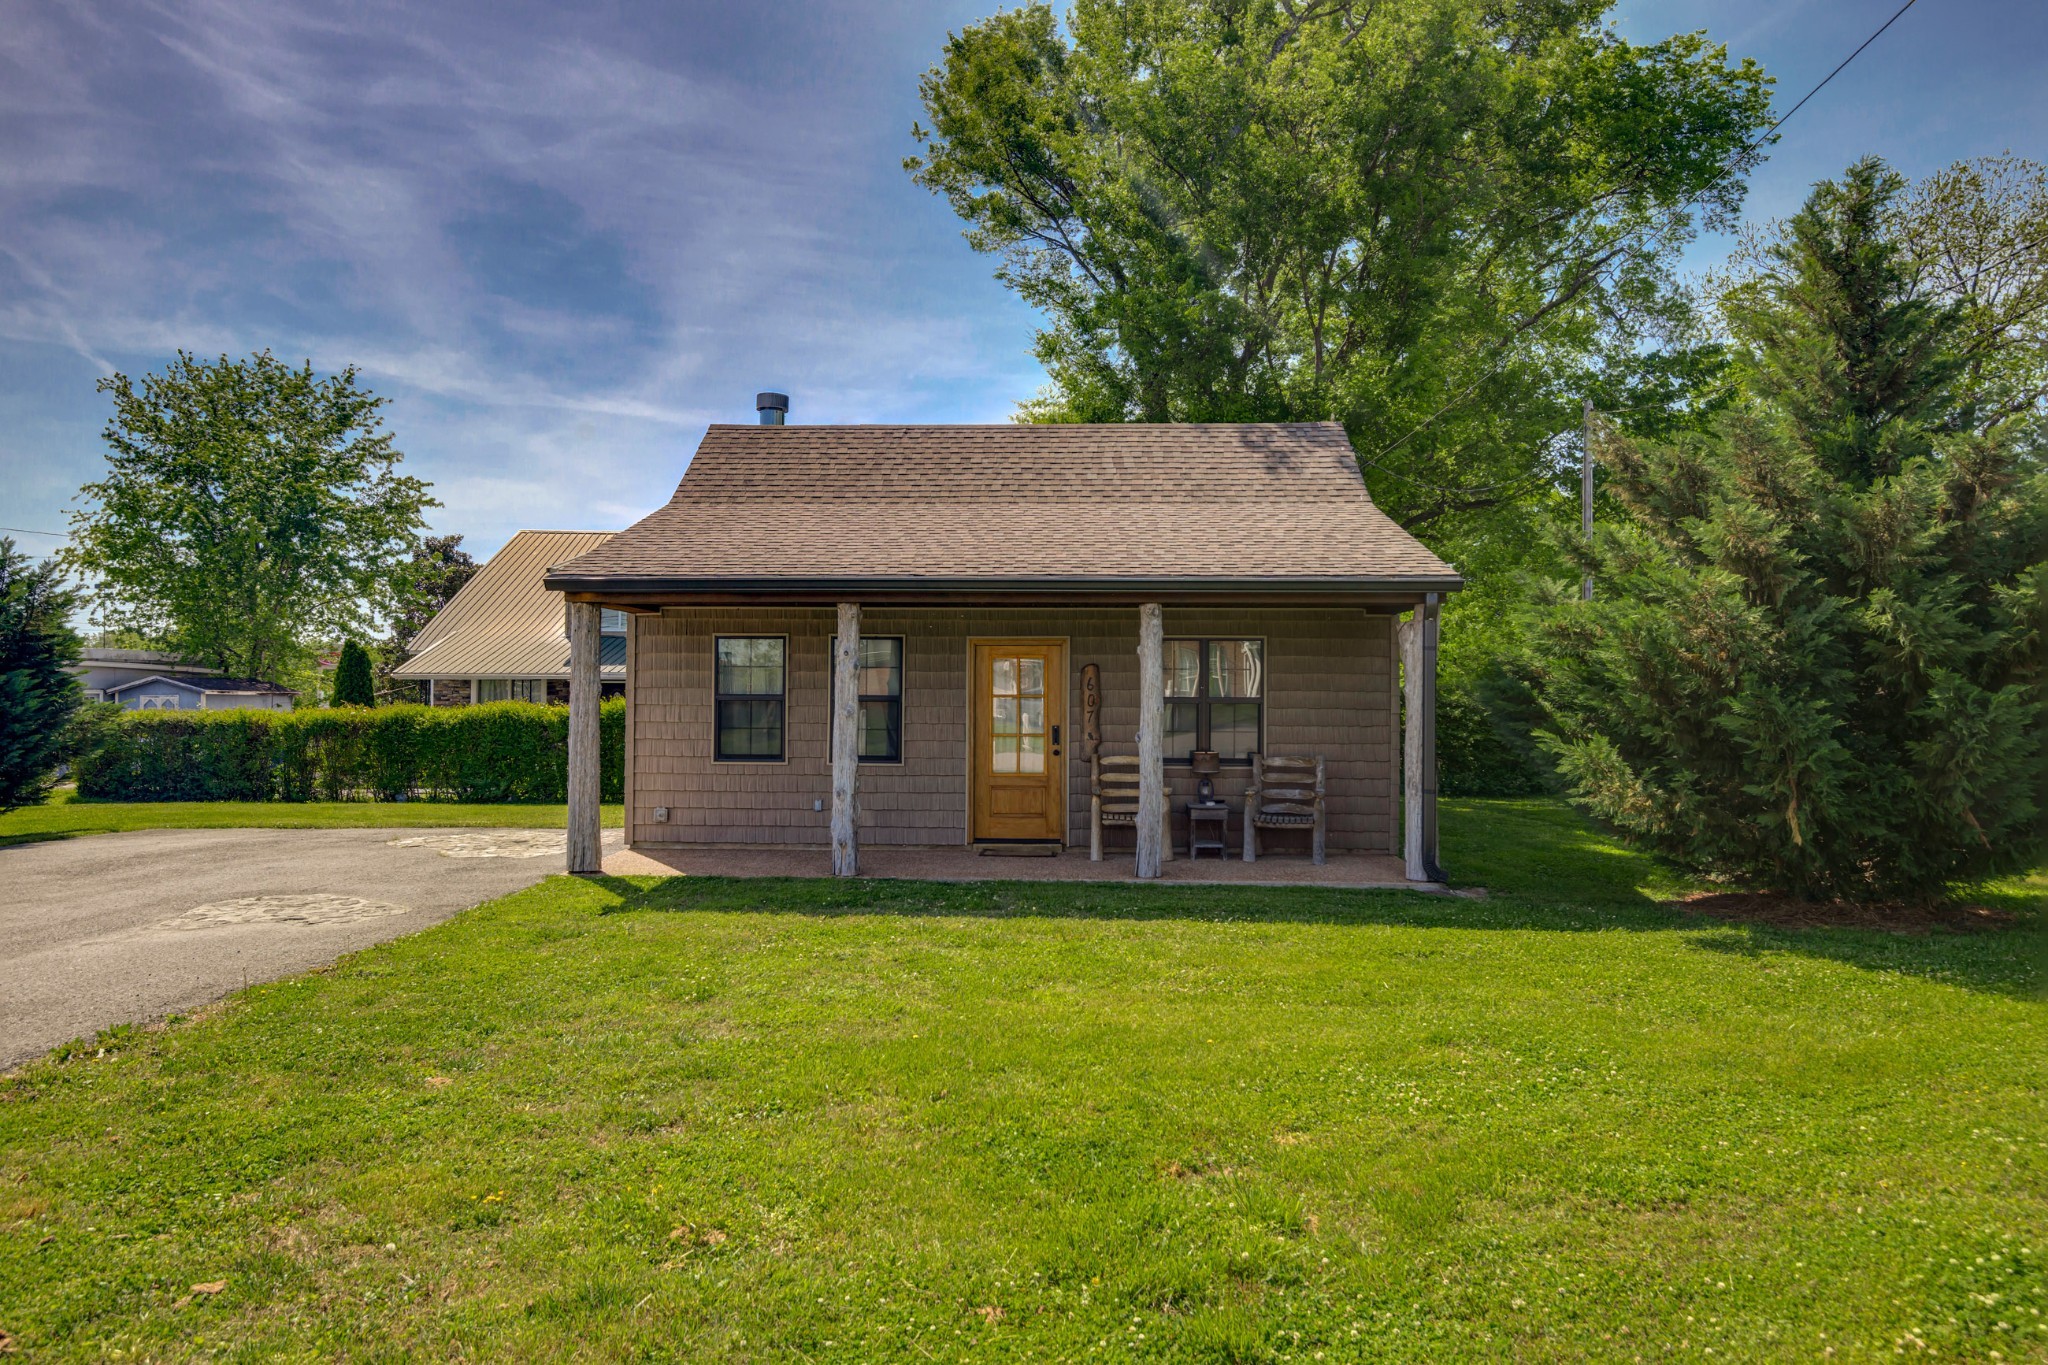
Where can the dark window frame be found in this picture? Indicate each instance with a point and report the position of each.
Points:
(902, 685)
(1202, 701)
(718, 754)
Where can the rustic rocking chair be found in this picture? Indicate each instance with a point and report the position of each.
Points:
(1286, 793)
(1113, 800)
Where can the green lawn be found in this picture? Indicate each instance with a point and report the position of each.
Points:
(65, 816)
(808, 1121)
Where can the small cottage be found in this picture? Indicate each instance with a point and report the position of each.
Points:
(961, 635)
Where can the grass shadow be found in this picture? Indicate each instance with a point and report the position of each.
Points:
(2006, 963)
(48, 836)
(1216, 904)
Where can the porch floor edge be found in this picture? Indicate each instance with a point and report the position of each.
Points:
(1341, 872)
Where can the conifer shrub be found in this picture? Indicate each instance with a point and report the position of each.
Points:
(1814, 659)
(38, 692)
(352, 685)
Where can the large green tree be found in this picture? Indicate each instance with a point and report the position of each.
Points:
(438, 568)
(1976, 234)
(1815, 661)
(1441, 222)
(250, 510)
(38, 691)
(436, 572)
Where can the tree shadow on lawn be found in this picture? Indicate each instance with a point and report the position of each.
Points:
(2007, 963)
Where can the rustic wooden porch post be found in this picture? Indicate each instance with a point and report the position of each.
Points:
(1418, 742)
(1395, 741)
(1151, 829)
(1432, 619)
(1410, 629)
(846, 742)
(586, 854)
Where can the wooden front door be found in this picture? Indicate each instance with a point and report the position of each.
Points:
(1017, 768)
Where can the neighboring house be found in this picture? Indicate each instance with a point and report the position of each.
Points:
(992, 574)
(161, 692)
(100, 669)
(155, 680)
(502, 636)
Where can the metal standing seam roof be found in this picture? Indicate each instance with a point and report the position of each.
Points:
(1238, 505)
(504, 622)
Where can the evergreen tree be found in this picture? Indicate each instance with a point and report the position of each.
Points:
(352, 677)
(38, 691)
(1814, 662)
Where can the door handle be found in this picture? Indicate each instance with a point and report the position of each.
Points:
(1055, 741)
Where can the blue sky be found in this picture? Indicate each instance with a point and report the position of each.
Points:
(562, 239)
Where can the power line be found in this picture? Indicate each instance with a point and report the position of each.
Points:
(1836, 72)
(1500, 354)
(25, 531)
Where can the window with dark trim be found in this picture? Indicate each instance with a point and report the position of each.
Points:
(511, 689)
(880, 675)
(751, 673)
(1215, 698)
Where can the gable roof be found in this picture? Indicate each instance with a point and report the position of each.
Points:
(504, 623)
(1014, 507)
(213, 683)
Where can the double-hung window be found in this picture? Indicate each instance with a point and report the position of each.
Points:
(749, 696)
(1215, 697)
(880, 680)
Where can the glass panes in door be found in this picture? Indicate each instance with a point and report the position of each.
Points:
(1017, 721)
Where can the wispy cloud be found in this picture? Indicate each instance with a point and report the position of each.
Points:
(561, 241)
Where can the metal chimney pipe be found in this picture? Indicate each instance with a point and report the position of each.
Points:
(773, 407)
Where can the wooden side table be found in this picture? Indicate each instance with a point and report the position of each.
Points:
(1216, 813)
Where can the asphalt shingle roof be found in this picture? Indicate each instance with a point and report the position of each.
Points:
(929, 504)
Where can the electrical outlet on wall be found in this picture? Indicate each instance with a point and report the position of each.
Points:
(817, 803)
(661, 815)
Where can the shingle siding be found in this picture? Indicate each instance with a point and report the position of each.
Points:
(1329, 691)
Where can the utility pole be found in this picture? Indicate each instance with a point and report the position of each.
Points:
(1586, 490)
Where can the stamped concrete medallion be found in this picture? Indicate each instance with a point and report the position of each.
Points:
(492, 843)
(303, 909)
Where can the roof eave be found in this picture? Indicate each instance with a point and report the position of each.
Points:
(663, 590)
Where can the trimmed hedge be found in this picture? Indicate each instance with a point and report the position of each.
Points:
(499, 751)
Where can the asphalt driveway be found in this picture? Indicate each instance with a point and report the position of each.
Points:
(120, 928)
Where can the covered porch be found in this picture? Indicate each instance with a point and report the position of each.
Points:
(919, 815)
